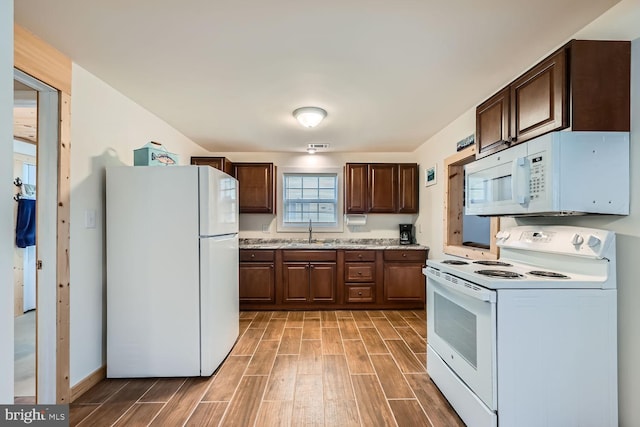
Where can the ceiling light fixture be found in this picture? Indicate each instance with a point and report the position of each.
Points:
(309, 117)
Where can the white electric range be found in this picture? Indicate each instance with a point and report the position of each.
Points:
(529, 339)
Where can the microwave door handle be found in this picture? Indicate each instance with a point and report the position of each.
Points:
(520, 180)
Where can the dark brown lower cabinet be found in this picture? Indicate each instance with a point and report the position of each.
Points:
(257, 278)
(403, 278)
(331, 279)
(360, 277)
(257, 282)
(312, 282)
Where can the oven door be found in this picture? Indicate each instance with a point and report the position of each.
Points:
(498, 184)
(461, 329)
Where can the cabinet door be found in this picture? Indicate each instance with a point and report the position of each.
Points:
(599, 71)
(408, 188)
(221, 163)
(383, 188)
(322, 282)
(357, 187)
(404, 282)
(256, 282)
(539, 99)
(492, 124)
(255, 187)
(295, 282)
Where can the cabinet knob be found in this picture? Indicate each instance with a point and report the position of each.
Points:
(359, 255)
(359, 273)
(253, 255)
(360, 293)
(312, 266)
(513, 139)
(404, 255)
(272, 266)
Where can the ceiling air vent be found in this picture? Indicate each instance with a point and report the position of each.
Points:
(312, 148)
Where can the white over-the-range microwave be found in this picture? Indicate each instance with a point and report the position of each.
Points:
(560, 173)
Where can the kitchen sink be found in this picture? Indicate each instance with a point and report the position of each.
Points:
(309, 245)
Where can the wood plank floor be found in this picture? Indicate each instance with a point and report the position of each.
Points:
(315, 368)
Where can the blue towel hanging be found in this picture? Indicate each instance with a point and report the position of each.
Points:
(26, 223)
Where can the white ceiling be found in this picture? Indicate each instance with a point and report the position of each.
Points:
(228, 73)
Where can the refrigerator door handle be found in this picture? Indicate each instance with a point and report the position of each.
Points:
(221, 236)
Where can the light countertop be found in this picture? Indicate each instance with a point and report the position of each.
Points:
(355, 244)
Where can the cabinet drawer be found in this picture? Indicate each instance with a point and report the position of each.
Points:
(359, 272)
(354, 256)
(360, 293)
(256, 255)
(308, 255)
(409, 255)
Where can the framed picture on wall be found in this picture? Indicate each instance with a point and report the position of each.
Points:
(430, 176)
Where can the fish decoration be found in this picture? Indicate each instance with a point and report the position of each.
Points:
(163, 158)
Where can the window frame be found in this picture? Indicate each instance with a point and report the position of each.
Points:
(281, 227)
(454, 210)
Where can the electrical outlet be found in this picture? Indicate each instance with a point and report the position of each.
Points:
(265, 228)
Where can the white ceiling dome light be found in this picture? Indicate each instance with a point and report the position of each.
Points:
(309, 117)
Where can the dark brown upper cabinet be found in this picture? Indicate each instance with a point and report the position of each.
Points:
(356, 188)
(381, 188)
(584, 86)
(492, 123)
(538, 100)
(256, 190)
(408, 188)
(221, 163)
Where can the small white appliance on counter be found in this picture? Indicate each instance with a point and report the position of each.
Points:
(172, 270)
(530, 339)
(559, 173)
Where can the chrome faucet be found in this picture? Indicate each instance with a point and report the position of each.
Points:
(310, 230)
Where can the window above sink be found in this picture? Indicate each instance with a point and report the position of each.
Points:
(309, 194)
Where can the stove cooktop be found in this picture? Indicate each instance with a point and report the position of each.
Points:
(508, 274)
(541, 257)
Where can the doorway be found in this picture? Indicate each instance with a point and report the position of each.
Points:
(35, 180)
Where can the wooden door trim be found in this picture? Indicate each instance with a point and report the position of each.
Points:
(41, 61)
(453, 210)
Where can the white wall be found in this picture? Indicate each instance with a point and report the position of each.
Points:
(621, 22)
(105, 129)
(6, 206)
(378, 225)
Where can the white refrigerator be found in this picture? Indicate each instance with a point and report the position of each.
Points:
(172, 270)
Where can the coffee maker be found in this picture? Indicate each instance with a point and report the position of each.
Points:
(406, 234)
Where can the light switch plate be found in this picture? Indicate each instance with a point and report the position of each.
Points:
(90, 218)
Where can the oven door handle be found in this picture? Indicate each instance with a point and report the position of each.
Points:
(466, 288)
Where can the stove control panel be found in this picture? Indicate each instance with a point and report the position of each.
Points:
(568, 240)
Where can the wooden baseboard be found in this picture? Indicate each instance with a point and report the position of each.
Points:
(92, 379)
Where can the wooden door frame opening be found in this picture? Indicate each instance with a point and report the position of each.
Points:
(46, 64)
